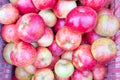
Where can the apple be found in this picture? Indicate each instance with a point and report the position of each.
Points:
(67, 55)
(8, 14)
(82, 75)
(9, 33)
(81, 19)
(82, 58)
(103, 50)
(64, 68)
(104, 11)
(107, 25)
(54, 60)
(47, 38)
(95, 4)
(48, 17)
(44, 74)
(6, 52)
(30, 27)
(55, 49)
(59, 24)
(23, 54)
(44, 58)
(31, 69)
(99, 72)
(44, 4)
(21, 74)
(24, 6)
(68, 39)
(63, 7)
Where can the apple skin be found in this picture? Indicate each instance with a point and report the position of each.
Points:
(104, 11)
(48, 17)
(67, 39)
(23, 54)
(44, 74)
(99, 72)
(63, 7)
(24, 6)
(59, 78)
(67, 55)
(31, 69)
(9, 33)
(8, 14)
(59, 24)
(55, 49)
(64, 68)
(44, 4)
(44, 58)
(81, 19)
(47, 38)
(93, 3)
(30, 27)
(82, 58)
(82, 75)
(103, 50)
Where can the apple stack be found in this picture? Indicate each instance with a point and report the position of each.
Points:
(59, 39)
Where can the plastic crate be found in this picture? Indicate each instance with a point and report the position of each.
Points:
(7, 70)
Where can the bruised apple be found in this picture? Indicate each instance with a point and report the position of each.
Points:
(68, 39)
(64, 68)
(82, 58)
(30, 27)
(44, 74)
(103, 50)
(9, 33)
(23, 54)
(8, 14)
(44, 57)
(47, 38)
(81, 19)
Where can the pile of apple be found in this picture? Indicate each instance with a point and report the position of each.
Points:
(59, 39)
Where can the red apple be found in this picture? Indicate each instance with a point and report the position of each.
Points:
(99, 72)
(30, 27)
(8, 14)
(68, 39)
(6, 52)
(21, 74)
(67, 55)
(23, 54)
(54, 60)
(92, 36)
(9, 33)
(81, 19)
(95, 4)
(24, 6)
(103, 50)
(107, 25)
(44, 4)
(31, 69)
(55, 49)
(63, 7)
(44, 58)
(64, 68)
(47, 38)
(44, 74)
(82, 75)
(82, 58)
(48, 17)
(59, 24)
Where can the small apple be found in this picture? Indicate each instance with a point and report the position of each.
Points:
(63, 7)
(44, 74)
(67, 39)
(64, 68)
(48, 17)
(8, 14)
(30, 27)
(47, 38)
(44, 57)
